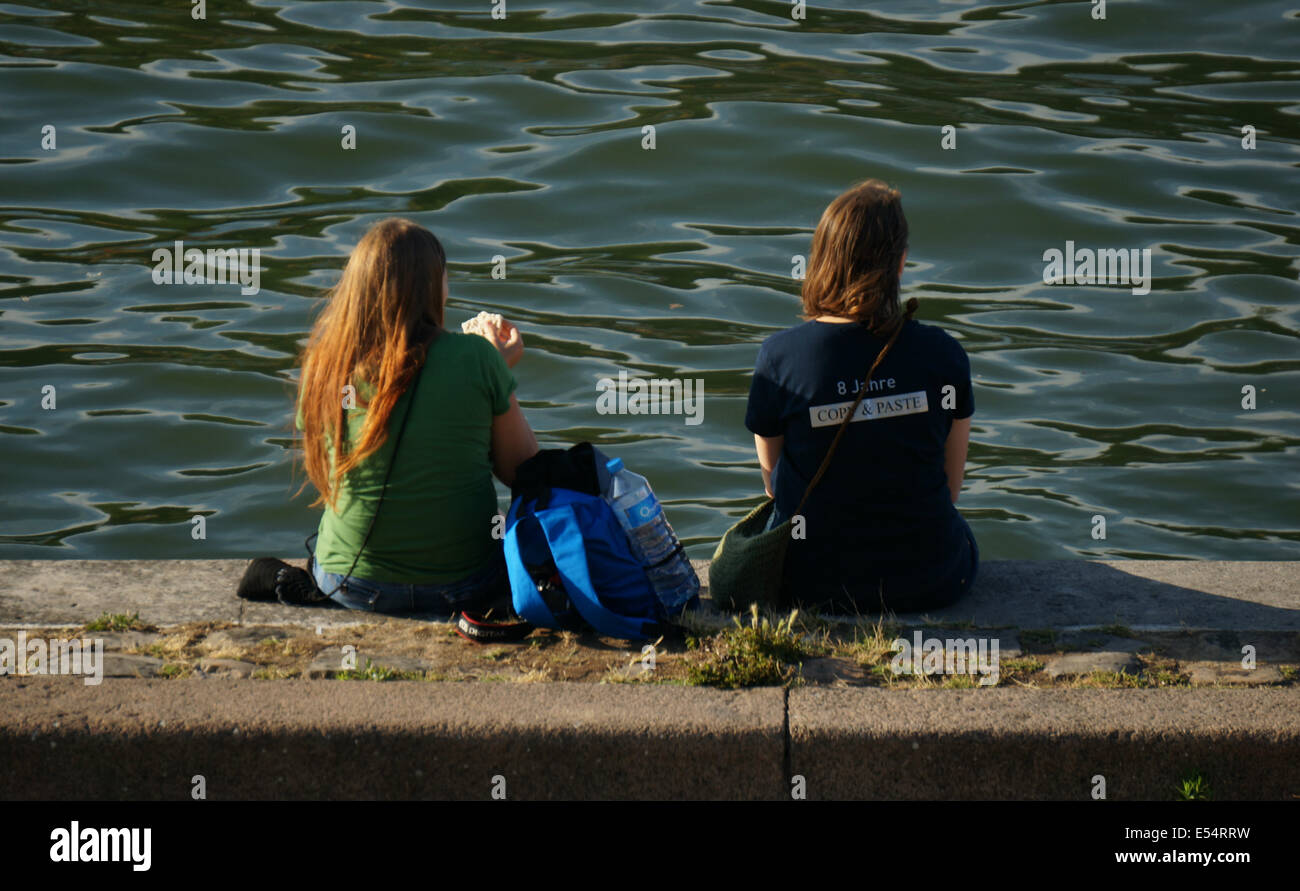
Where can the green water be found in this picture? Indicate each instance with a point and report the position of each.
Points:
(523, 138)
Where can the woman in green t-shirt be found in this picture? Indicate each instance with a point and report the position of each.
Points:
(430, 415)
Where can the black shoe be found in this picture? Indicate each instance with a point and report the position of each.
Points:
(258, 582)
(269, 579)
(294, 586)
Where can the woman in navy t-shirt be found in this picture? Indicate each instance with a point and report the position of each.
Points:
(881, 530)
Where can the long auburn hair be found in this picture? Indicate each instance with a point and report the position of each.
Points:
(856, 252)
(376, 327)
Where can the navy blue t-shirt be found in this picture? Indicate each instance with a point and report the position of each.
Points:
(883, 505)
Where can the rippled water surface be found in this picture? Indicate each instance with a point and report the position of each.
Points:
(523, 138)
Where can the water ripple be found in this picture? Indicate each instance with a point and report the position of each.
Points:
(130, 407)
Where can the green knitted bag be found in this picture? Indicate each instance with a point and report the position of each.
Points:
(749, 562)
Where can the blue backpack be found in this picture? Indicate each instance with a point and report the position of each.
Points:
(569, 560)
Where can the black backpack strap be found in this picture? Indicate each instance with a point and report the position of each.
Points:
(392, 462)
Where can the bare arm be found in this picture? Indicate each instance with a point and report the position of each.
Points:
(769, 452)
(954, 455)
(513, 442)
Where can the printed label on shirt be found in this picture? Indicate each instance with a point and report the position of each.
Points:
(872, 407)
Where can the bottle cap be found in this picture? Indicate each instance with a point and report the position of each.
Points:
(614, 465)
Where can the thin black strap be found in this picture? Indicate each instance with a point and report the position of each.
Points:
(392, 462)
(848, 418)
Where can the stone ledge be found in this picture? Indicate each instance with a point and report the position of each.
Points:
(1038, 744)
(144, 739)
(1064, 594)
(325, 740)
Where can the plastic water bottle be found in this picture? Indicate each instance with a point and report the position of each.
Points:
(651, 538)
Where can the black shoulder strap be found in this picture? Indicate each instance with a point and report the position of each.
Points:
(392, 462)
(848, 418)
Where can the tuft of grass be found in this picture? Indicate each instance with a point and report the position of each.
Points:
(1289, 672)
(1019, 669)
(882, 671)
(616, 675)
(176, 670)
(1111, 680)
(1164, 677)
(496, 654)
(873, 645)
(621, 673)
(1162, 672)
(1117, 630)
(373, 672)
(1194, 787)
(173, 647)
(760, 654)
(119, 622)
(1043, 637)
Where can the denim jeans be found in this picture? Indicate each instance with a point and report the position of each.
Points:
(490, 587)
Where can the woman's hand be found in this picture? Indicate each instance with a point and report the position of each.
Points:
(500, 333)
(509, 342)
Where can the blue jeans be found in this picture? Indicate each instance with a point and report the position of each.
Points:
(476, 593)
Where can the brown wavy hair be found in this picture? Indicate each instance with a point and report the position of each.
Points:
(856, 253)
(376, 327)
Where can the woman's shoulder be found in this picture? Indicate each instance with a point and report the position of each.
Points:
(934, 337)
(471, 359)
(797, 342)
(457, 348)
(460, 342)
(943, 352)
(793, 338)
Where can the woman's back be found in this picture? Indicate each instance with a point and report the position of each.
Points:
(404, 426)
(880, 530)
(435, 525)
(885, 497)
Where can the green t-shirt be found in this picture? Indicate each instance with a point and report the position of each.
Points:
(436, 522)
